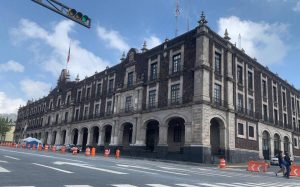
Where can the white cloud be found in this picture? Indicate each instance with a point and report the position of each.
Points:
(112, 38)
(261, 40)
(9, 105)
(297, 7)
(34, 89)
(11, 66)
(152, 41)
(82, 61)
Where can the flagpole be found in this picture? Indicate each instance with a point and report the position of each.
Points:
(68, 58)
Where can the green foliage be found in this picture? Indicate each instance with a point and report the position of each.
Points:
(4, 125)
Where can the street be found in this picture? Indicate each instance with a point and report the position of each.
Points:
(22, 167)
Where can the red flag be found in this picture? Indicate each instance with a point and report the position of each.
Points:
(68, 58)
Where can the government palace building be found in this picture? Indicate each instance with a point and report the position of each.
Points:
(196, 97)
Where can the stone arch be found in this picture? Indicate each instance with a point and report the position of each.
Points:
(125, 134)
(95, 131)
(277, 143)
(286, 144)
(152, 134)
(169, 117)
(46, 137)
(84, 131)
(63, 136)
(106, 134)
(74, 136)
(266, 138)
(217, 136)
(54, 133)
(152, 118)
(176, 133)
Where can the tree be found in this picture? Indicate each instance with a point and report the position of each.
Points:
(4, 126)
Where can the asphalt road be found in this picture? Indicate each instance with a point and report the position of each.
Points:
(19, 167)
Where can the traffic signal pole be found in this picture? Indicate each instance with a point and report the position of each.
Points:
(65, 11)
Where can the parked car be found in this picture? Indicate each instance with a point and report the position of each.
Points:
(70, 147)
(274, 160)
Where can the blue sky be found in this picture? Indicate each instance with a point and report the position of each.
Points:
(34, 41)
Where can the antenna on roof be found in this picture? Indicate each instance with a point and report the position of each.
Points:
(177, 13)
(188, 14)
(240, 41)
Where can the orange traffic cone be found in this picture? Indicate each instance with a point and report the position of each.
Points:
(222, 163)
(87, 151)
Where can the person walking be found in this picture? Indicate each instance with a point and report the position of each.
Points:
(280, 163)
(287, 159)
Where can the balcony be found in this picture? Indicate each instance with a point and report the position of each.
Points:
(217, 102)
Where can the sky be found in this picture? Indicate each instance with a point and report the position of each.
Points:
(34, 41)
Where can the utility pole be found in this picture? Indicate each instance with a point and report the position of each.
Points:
(65, 11)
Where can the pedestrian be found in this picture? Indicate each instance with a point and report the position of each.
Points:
(287, 159)
(281, 163)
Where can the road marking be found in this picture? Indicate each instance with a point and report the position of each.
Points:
(89, 167)
(39, 155)
(11, 157)
(17, 186)
(123, 185)
(57, 169)
(3, 170)
(210, 185)
(186, 185)
(157, 185)
(140, 167)
(134, 170)
(232, 185)
(3, 161)
(78, 186)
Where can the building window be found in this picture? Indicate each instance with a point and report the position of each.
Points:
(51, 106)
(264, 85)
(98, 92)
(129, 79)
(177, 133)
(66, 117)
(265, 112)
(49, 120)
(240, 74)
(294, 123)
(241, 129)
(217, 63)
(293, 105)
(88, 93)
(56, 118)
(175, 93)
(250, 80)
(109, 107)
(110, 86)
(217, 94)
(76, 114)
(68, 99)
(128, 104)
(152, 98)
(78, 96)
(250, 107)
(251, 131)
(97, 109)
(58, 103)
(153, 71)
(176, 63)
(285, 119)
(275, 94)
(298, 107)
(295, 142)
(86, 112)
(240, 102)
(284, 100)
(276, 116)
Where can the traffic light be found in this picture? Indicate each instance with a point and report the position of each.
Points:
(64, 10)
(79, 16)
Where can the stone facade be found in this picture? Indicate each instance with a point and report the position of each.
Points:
(194, 98)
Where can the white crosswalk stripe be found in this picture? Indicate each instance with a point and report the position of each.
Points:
(57, 169)
(123, 185)
(78, 186)
(157, 185)
(3, 170)
(186, 185)
(11, 157)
